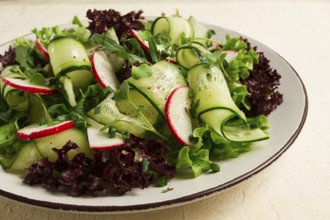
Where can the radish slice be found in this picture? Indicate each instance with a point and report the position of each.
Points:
(34, 131)
(25, 85)
(230, 55)
(103, 70)
(177, 114)
(214, 47)
(145, 45)
(42, 49)
(99, 140)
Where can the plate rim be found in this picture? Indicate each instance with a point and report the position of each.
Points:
(184, 199)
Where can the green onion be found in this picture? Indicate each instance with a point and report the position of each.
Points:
(81, 124)
(112, 132)
(145, 164)
(126, 135)
(161, 181)
(215, 167)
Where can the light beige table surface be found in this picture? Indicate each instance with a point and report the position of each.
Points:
(297, 185)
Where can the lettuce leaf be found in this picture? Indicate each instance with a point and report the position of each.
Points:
(25, 52)
(78, 32)
(234, 43)
(219, 147)
(9, 143)
(196, 160)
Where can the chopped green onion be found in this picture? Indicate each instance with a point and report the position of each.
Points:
(215, 167)
(81, 124)
(126, 135)
(112, 132)
(161, 181)
(145, 164)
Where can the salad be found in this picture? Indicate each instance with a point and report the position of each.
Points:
(125, 102)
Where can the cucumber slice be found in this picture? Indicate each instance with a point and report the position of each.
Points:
(69, 91)
(24, 158)
(244, 133)
(5, 162)
(200, 31)
(37, 110)
(211, 90)
(7, 71)
(108, 114)
(69, 57)
(75, 135)
(157, 87)
(191, 55)
(215, 105)
(16, 99)
(148, 110)
(174, 27)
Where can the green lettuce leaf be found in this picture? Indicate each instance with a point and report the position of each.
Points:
(234, 43)
(25, 52)
(196, 160)
(220, 148)
(78, 32)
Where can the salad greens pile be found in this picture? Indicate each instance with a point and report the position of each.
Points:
(64, 78)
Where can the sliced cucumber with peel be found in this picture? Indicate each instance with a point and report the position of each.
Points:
(147, 109)
(156, 88)
(40, 148)
(108, 114)
(68, 55)
(75, 135)
(174, 27)
(200, 31)
(23, 159)
(215, 105)
(69, 59)
(16, 99)
(191, 55)
(69, 90)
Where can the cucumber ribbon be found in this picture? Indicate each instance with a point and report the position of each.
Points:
(215, 106)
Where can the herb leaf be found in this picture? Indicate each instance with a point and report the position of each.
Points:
(117, 49)
(24, 51)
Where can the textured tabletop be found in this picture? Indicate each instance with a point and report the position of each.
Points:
(297, 185)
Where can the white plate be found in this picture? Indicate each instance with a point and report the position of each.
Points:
(286, 123)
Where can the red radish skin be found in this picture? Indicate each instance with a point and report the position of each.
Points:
(25, 85)
(34, 131)
(177, 115)
(103, 71)
(42, 49)
(214, 47)
(170, 60)
(143, 44)
(99, 140)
